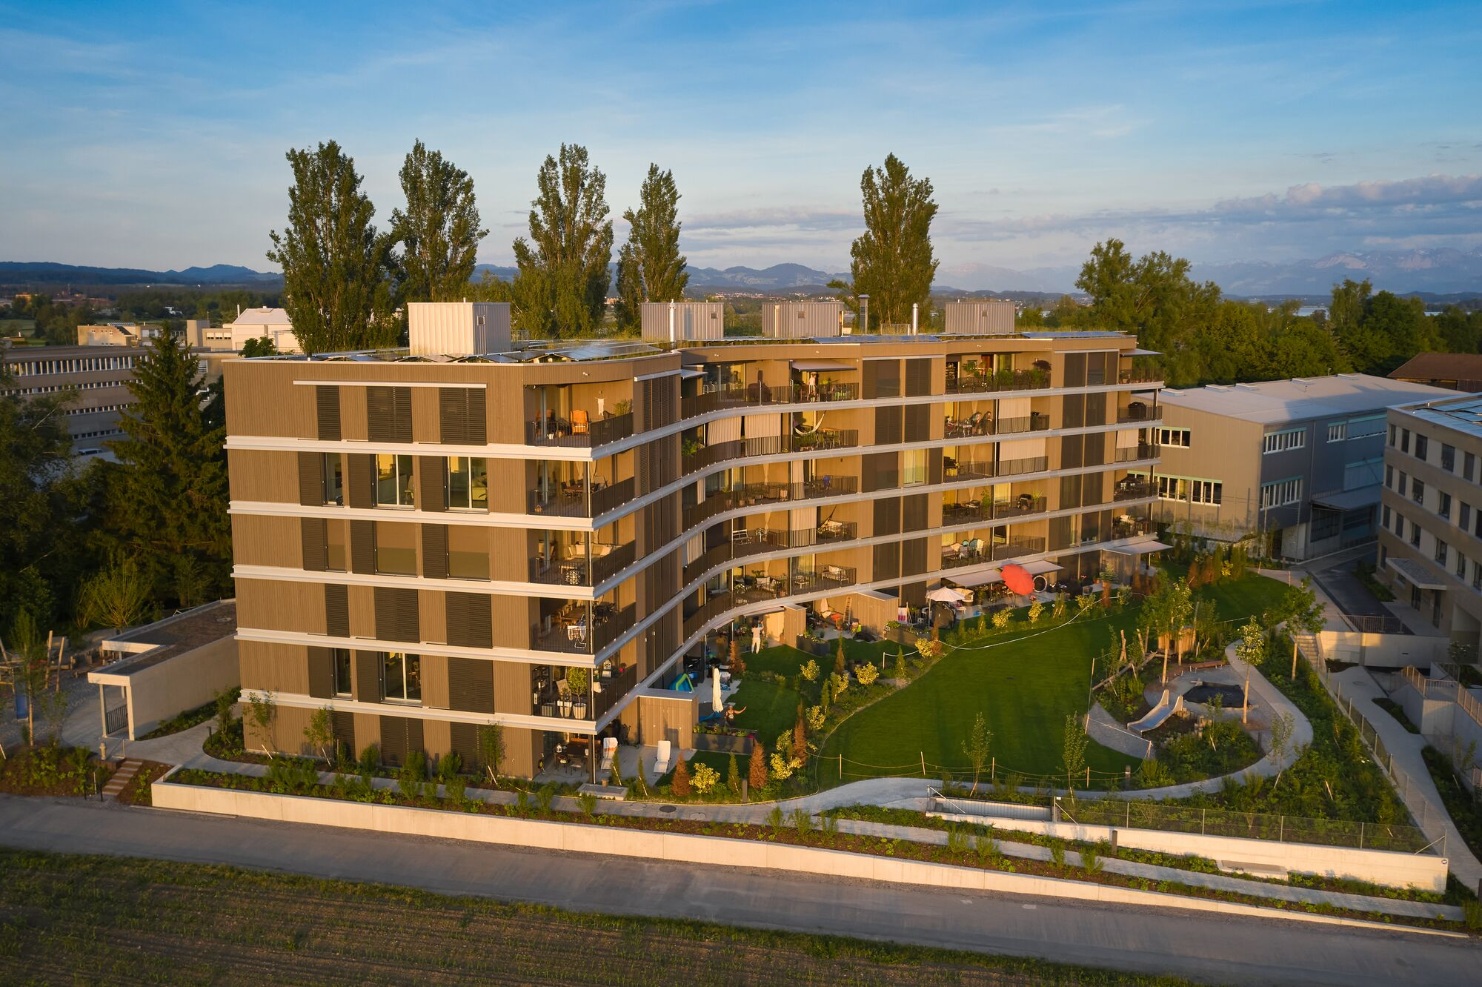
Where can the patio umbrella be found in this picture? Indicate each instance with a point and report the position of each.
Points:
(1017, 579)
(945, 595)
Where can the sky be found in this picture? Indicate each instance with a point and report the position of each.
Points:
(153, 134)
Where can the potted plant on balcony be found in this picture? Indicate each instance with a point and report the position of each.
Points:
(577, 680)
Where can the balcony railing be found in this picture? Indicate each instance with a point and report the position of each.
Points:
(768, 445)
(1004, 380)
(769, 493)
(1139, 413)
(578, 499)
(1126, 527)
(981, 424)
(604, 693)
(745, 543)
(960, 471)
(753, 395)
(1132, 490)
(1131, 454)
(1018, 547)
(590, 631)
(605, 561)
(1021, 506)
(1141, 375)
(563, 432)
(799, 581)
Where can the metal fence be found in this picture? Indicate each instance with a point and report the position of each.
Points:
(1248, 825)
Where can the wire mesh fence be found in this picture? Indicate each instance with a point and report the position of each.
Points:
(1249, 825)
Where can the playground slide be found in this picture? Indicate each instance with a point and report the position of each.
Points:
(1158, 714)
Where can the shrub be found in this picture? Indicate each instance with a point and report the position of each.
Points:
(412, 775)
(1001, 618)
(680, 784)
(1036, 610)
(543, 798)
(587, 802)
(816, 717)
(867, 673)
(809, 670)
(733, 776)
(370, 760)
(705, 778)
(802, 822)
(757, 769)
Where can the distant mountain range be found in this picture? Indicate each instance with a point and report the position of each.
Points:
(1431, 272)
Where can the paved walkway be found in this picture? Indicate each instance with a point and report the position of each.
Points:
(1204, 946)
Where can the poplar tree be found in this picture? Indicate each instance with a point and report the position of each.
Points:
(439, 232)
(893, 261)
(650, 266)
(336, 284)
(561, 287)
(170, 504)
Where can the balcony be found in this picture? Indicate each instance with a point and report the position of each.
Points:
(1017, 548)
(1132, 489)
(755, 395)
(769, 493)
(603, 562)
(980, 423)
(1139, 412)
(1127, 526)
(578, 431)
(578, 499)
(746, 542)
(1004, 380)
(768, 445)
(553, 699)
(1141, 375)
(758, 589)
(583, 630)
(972, 512)
(1132, 454)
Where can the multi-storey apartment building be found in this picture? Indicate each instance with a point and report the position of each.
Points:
(537, 537)
(1430, 538)
(96, 376)
(1295, 460)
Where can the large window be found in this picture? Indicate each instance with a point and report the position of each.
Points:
(913, 467)
(1337, 431)
(1285, 440)
(1281, 492)
(1189, 489)
(1422, 446)
(468, 483)
(334, 478)
(393, 481)
(1174, 437)
(341, 671)
(401, 677)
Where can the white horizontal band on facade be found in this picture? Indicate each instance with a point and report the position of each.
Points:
(523, 656)
(453, 385)
(341, 704)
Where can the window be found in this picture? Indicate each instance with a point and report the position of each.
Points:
(1404, 440)
(1386, 517)
(1325, 525)
(1464, 516)
(1448, 458)
(468, 483)
(1440, 552)
(341, 657)
(1364, 428)
(1281, 492)
(1415, 535)
(1190, 490)
(401, 677)
(1443, 504)
(1337, 431)
(334, 479)
(393, 481)
(1174, 437)
(1422, 445)
(1399, 525)
(1476, 575)
(913, 467)
(1468, 466)
(1285, 440)
(1389, 476)
(1417, 490)
(1461, 566)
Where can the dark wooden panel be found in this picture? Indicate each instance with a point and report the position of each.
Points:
(363, 546)
(1070, 491)
(934, 466)
(879, 471)
(315, 536)
(311, 479)
(913, 513)
(388, 414)
(327, 406)
(888, 425)
(1073, 411)
(887, 561)
(321, 673)
(368, 676)
(470, 685)
(344, 730)
(470, 620)
(918, 378)
(1075, 370)
(435, 551)
(881, 379)
(887, 516)
(918, 422)
(336, 610)
(1072, 451)
(433, 472)
(913, 557)
(397, 617)
(361, 477)
(1096, 408)
(464, 741)
(462, 417)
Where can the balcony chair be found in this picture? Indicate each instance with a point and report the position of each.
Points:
(580, 425)
(661, 760)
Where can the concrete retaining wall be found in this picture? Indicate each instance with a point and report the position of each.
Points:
(1399, 870)
(1383, 650)
(579, 838)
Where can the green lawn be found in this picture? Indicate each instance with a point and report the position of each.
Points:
(1024, 686)
(770, 708)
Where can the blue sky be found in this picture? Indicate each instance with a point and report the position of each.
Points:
(153, 134)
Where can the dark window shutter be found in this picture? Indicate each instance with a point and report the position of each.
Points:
(434, 470)
(396, 614)
(918, 378)
(887, 516)
(470, 620)
(316, 544)
(1075, 370)
(362, 479)
(463, 419)
(470, 685)
(363, 546)
(869, 376)
(888, 379)
(913, 513)
(888, 560)
(1073, 411)
(464, 741)
(1060, 533)
(367, 676)
(1070, 491)
(1094, 449)
(878, 471)
(344, 730)
(435, 551)
(913, 557)
(311, 479)
(327, 403)
(1072, 449)
(337, 610)
(321, 673)
(918, 422)
(934, 465)
(393, 740)
(388, 414)
(1096, 408)
(478, 417)
(888, 425)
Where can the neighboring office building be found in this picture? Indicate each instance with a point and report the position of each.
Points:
(98, 374)
(1430, 539)
(256, 323)
(1298, 459)
(1453, 371)
(426, 545)
(116, 334)
(683, 321)
(980, 316)
(201, 335)
(802, 320)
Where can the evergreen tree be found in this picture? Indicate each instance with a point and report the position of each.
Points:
(561, 288)
(439, 232)
(650, 266)
(336, 285)
(893, 261)
(170, 501)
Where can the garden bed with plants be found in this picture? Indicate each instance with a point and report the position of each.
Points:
(1461, 805)
(53, 770)
(1398, 712)
(962, 848)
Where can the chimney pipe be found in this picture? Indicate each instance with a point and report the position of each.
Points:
(915, 307)
(671, 323)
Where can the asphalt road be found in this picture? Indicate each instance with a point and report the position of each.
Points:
(1202, 946)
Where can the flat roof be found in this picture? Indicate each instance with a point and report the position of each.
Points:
(1464, 414)
(164, 639)
(1301, 398)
